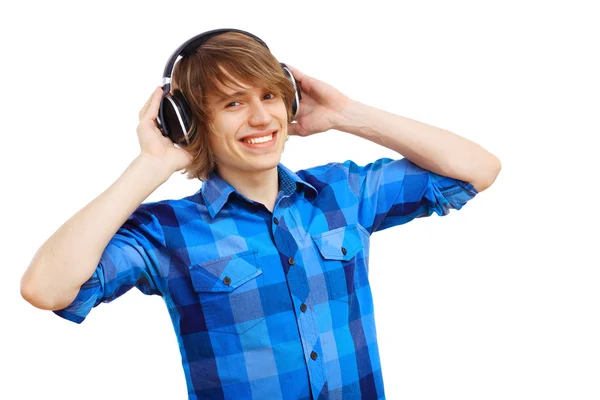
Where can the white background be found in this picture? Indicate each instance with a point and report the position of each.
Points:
(500, 300)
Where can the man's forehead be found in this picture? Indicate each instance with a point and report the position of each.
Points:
(232, 88)
(228, 87)
(233, 84)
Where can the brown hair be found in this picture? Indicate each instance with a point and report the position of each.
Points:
(201, 73)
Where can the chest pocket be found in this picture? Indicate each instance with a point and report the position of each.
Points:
(228, 292)
(343, 259)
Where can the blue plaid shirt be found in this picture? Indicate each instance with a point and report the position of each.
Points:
(271, 305)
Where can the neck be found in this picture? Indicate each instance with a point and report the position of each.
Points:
(261, 186)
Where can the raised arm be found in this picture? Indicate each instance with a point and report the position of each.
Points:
(70, 256)
(431, 148)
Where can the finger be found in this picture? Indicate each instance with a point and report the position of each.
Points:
(149, 102)
(144, 108)
(303, 80)
(151, 109)
(297, 74)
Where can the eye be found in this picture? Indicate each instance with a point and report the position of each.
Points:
(267, 96)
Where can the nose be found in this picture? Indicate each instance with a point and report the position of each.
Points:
(259, 115)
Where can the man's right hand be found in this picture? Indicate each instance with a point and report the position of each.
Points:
(153, 143)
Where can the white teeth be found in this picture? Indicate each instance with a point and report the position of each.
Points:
(263, 139)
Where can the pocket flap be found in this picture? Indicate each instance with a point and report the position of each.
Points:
(332, 243)
(224, 274)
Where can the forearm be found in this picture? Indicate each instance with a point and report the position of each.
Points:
(70, 256)
(429, 147)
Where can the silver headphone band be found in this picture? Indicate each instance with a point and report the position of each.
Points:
(295, 91)
(185, 134)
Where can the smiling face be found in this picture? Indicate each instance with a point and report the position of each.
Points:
(225, 64)
(247, 110)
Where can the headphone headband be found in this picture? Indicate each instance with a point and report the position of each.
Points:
(195, 42)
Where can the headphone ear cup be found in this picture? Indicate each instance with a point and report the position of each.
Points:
(298, 92)
(176, 118)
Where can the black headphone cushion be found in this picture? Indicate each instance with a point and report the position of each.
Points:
(177, 116)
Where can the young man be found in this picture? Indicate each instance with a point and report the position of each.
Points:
(264, 271)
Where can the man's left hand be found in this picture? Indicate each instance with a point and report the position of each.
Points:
(321, 107)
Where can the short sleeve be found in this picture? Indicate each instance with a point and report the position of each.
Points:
(136, 256)
(393, 192)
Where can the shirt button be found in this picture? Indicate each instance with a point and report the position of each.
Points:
(344, 250)
(291, 260)
(276, 221)
(313, 355)
(227, 280)
(303, 307)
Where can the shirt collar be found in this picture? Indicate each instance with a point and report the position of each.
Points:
(215, 190)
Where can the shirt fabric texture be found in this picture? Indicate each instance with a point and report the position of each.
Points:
(271, 305)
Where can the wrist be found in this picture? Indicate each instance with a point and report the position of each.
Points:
(155, 165)
(350, 117)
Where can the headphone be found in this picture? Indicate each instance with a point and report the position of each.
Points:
(174, 116)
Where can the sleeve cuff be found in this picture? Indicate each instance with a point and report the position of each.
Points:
(69, 316)
(89, 296)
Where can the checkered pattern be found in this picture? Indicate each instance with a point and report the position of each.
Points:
(271, 306)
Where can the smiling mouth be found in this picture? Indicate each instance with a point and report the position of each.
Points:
(257, 142)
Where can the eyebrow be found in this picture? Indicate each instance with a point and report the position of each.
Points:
(221, 99)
